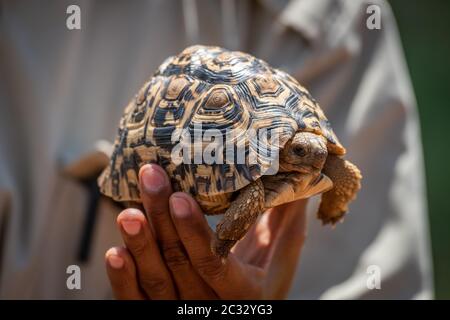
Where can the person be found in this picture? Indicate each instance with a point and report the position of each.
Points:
(64, 90)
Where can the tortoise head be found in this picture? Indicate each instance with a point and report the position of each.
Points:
(305, 152)
(300, 172)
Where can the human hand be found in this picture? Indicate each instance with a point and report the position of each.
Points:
(168, 254)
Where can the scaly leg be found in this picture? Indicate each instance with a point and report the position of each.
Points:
(238, 218)
(346, 179)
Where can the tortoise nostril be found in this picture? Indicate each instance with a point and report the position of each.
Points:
(320, 156)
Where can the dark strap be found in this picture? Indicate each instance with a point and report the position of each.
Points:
(85, 245)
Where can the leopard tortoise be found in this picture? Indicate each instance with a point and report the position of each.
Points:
(231, 93)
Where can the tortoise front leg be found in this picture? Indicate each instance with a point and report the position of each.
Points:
(238, 218)
(346, 179)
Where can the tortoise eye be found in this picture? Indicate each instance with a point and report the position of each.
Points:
(299, 151)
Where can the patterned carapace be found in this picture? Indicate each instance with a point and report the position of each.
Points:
(230, 91)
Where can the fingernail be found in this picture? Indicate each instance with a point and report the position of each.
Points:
(115, 261)
(180, 207)
(152, 179)
(131, 227)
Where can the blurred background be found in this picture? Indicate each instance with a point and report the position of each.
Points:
(425, 32)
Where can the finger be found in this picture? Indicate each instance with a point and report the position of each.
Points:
(153, 276)
(288, 224)
(155, 197)
(223, 276)
(122, 274)
(155, 191)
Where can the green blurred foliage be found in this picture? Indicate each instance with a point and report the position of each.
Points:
(425, 31)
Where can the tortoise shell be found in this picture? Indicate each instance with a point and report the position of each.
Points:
(206, 88)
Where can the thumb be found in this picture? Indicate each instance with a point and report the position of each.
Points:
(288, 223)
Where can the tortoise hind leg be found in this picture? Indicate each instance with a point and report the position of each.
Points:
(238, 218)
(346, 179)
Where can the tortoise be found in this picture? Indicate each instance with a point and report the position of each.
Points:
(208, 89)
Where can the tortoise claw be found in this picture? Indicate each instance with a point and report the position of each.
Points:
(221, 248)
